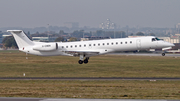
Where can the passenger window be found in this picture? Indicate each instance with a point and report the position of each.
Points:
(62, 46)
(126, 42)
(121, 42)
(66, 46)
(103, 44)
(130, 41)
(107, 43)
(84, 45)
(112, 43)
(94, 44)
(71, 46)
(75, 45)
(89, 44)
(98, 44)
(79, 45)
(116, 43)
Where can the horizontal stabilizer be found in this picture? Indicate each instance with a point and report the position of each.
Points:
(15, 31)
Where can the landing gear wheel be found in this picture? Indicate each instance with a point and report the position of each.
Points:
(86, 61)
(80, 62)
(163, 54)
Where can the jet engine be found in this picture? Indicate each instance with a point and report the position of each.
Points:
(46, 47)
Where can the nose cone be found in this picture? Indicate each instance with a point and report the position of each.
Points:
(172, 45)
(167, 44)
(164, 44)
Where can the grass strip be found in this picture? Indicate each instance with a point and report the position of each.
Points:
(91, 89)
(15, 64)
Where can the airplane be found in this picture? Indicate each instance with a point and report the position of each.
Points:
(86, 49)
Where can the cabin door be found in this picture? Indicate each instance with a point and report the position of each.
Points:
(138, 43)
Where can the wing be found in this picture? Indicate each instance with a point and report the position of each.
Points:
(83, 52)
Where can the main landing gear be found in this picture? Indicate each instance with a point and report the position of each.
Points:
(85, 61)
(81, 60)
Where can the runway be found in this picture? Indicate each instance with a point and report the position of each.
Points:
(67, 99)
(146, 54)
(88, 78)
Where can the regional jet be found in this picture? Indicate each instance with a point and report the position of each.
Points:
(86, 49)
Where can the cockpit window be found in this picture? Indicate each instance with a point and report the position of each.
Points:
(155, 39)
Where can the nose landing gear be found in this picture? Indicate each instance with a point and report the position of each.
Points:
(163, 54)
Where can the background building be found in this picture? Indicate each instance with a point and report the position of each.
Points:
(71, 25)
(173, 39)
(44, 39)
(178, 28)
(107, 25)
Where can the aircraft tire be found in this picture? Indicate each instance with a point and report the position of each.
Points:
(163, 54)
(80, 62)
(86, 61)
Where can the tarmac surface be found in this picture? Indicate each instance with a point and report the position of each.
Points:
(66, 99)
(146, 54)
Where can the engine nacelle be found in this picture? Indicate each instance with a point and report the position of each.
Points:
(46, 47)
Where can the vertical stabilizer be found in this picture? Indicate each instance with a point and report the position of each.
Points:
(21, 39)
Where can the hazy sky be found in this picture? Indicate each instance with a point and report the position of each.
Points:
(36, 13)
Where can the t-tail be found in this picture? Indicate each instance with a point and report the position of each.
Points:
(21, 39)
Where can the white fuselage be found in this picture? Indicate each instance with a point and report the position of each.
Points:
(101, 46)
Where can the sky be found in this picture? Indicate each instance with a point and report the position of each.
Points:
(40, 13)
